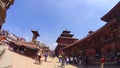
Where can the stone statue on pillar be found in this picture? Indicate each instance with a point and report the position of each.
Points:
(35, 35)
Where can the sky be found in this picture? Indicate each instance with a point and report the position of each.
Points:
(51, 17)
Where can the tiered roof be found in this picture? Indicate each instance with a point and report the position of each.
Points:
(65, 35)
(25, 44)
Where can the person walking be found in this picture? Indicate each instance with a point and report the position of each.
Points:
(85, 62)
(63, 62)
(39, 58)
(71, 60)
(67, 60)
(80, 59)
(45, 55)
(118, 58)
(102, 61)
(60, 58)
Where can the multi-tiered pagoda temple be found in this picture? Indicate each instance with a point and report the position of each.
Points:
(64, 40)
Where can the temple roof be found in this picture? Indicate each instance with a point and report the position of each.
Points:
(66, 38)
(25, 44)
(66, 31)
(113, 13)
(65, 35)
(69, 38)
(72, 44)
(97, 32)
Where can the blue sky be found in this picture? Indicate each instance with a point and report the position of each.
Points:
(51, 17)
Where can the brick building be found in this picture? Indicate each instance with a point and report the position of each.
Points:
(104, 41)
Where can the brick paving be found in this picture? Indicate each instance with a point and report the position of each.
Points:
(5, 58)
(20, 61)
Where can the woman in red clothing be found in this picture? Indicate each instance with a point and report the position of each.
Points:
(102, 61)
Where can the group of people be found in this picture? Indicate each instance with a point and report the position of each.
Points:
(63, 59)
(74, 60)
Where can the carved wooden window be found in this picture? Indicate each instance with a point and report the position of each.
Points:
(105, 37)
(97, 39)
(118, 16)
(110, 35)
